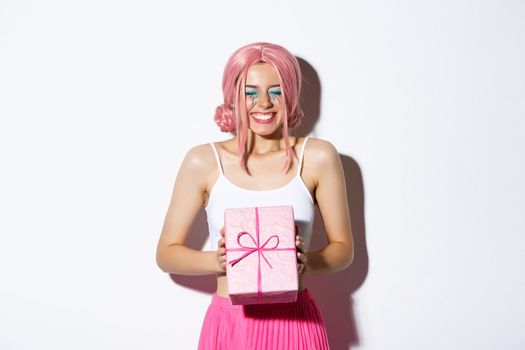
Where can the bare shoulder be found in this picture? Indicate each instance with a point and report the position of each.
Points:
(320, 159)
(199, 163)
(320, 148)
(200, 156)
(320, 152)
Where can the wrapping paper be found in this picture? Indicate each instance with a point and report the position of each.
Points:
(261, 258)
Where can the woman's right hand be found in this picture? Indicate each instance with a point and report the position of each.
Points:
(221, 252)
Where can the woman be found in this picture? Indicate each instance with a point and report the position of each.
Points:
(261, 165)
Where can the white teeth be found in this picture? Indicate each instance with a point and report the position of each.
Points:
(263, 116)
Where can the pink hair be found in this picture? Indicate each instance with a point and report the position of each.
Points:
(231, 116)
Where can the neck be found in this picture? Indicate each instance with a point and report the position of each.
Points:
(257, 144)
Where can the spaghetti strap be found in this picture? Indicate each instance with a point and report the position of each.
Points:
(301, 156)
(219, 165)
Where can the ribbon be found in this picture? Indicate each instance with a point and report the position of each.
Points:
(260, 249)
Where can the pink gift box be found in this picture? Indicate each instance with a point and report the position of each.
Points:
(261, 255)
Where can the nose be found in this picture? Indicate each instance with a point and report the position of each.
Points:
(265, 101)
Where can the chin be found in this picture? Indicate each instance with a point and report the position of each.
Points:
(265, 131)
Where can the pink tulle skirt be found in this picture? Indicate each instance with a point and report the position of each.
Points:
(289, 326)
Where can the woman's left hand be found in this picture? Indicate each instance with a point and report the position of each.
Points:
(301, 257)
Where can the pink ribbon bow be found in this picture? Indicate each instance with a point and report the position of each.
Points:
(256, 248)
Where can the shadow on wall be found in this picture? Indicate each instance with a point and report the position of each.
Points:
(333, 292)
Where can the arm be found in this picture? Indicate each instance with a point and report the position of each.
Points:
(188, 198)
(333, 205)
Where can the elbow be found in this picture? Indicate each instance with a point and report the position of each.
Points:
(346, 264)
(352, 254)
(167, 258)
(162, 259)
(349, 257)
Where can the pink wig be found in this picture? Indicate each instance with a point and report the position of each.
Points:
(231, 116)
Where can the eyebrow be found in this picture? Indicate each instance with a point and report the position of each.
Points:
(255, 86)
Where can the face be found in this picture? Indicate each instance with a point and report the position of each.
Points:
(264, 99)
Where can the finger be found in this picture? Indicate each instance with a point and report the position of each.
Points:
(222, 231)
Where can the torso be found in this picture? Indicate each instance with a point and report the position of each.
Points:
(264, 177)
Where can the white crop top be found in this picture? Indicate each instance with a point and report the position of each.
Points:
(226, 194)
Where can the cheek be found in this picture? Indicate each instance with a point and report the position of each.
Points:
(281, 108)
(250, 103)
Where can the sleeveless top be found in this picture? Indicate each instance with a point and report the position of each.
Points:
(226, 194)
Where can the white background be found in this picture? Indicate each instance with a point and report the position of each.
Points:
(100, 100)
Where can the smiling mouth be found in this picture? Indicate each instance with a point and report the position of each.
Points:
(264, 118)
